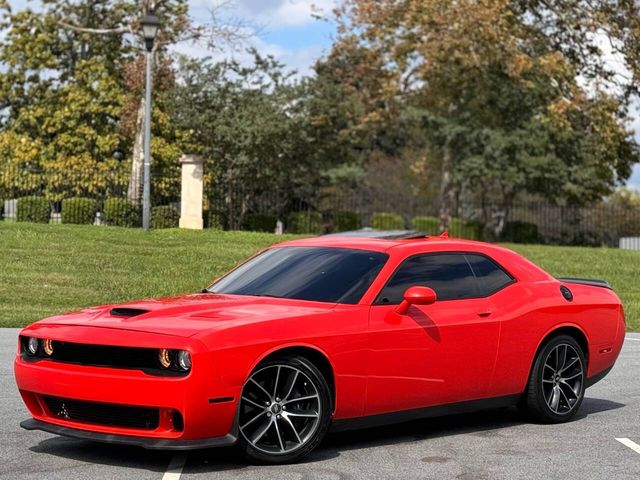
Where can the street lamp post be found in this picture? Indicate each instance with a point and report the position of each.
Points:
(150, 24)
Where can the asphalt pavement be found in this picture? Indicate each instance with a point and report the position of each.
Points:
(603, 442)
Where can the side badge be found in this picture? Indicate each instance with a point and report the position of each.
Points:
(566, 293)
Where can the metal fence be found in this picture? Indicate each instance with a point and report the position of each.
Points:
(109, 198)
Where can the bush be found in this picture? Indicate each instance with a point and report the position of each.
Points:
(520, 232)
(387, 221)
(577, 238)
(121, 212)
(213, 220)
(79, 211)
(257, 222)
(428, 225)
(165, 216)
(305, 222)
(468, 229)
(344, 221)
(33, 209)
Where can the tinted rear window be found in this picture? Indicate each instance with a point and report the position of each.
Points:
(336, 275)
(491, 277)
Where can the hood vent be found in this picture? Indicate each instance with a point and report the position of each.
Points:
(126, 312)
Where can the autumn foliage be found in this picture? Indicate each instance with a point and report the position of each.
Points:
(436, 101)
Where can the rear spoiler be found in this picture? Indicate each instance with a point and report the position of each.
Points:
(586, 281)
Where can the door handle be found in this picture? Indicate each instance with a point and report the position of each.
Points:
(484, 313)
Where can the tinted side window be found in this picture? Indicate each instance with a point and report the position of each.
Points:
(491, 277)
(448, 274)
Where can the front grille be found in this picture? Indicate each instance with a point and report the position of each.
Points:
(105, 355)
(103, 413)
(132, 358)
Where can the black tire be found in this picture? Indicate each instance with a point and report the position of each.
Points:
(551, 396)
(293, 445)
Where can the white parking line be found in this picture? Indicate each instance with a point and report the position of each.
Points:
(174, 470)
(629, 443)
(631, 338)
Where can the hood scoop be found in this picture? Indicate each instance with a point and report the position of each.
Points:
(127, 312)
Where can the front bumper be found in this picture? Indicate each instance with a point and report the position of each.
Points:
(145, 442)
(205, 401)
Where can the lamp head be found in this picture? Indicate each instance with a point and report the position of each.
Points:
(150, 25)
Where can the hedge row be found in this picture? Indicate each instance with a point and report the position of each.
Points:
(119, 212)
(165, 216)
(310, 222)
(296, 222)
(387, 221)
(79, 211)
(428, 224)
(124, 213)
(33, 209)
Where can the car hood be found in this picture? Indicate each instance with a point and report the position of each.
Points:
(189, 315)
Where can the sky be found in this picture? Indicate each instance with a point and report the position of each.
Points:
(287, 30)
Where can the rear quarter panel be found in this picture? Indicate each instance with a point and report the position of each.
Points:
(533, 310)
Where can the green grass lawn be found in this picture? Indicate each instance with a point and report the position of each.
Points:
(47, 269)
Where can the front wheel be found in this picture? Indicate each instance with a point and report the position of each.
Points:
(557, 382)
(285, 411)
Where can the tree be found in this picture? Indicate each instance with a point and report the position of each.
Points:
(375, 146)
(63, 96)
(500, 101)
(249, 124)
(176, 27)
(91, 54)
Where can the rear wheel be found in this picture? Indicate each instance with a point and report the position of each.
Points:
(557, 382)
(285, 411)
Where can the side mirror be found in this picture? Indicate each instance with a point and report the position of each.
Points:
(416, 296)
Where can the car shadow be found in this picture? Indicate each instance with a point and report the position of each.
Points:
(484, 424)
(487, 424)
(104, 454)
(596, 405)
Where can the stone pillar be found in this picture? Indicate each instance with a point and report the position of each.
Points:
(191, 197)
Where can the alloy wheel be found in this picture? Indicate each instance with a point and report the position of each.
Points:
(280, 409)
(562, 379)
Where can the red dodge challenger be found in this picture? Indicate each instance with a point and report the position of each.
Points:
(339, 331)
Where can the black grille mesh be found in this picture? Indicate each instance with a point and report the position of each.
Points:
(103, 413)
(105, 356)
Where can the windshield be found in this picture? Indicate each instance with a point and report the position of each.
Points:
(336, 275)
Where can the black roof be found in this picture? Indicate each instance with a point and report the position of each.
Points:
(381, 234)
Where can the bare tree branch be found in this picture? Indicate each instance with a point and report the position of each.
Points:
(222, 29)
(98, 31)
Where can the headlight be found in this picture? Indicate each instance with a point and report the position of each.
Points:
(164, 357)
(184, 360)
(32, 346)
(47, 347)
(179, 360)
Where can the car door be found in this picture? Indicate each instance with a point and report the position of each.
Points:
(439, 353)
